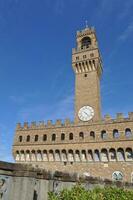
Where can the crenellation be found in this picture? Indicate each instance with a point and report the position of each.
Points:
(130, 114)
(119, 116)
(26, 125)
(107, 117)
(58, 123)
(18, 126)
(33, 125)
(49, 123)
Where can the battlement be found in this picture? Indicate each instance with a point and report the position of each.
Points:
(85, 32)
(67, 123)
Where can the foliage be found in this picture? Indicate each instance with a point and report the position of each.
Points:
(78, 192)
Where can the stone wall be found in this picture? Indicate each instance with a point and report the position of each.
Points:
(24, 182)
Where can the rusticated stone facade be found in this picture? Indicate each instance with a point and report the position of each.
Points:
(91, 145)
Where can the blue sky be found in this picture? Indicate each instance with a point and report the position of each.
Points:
(36, 77)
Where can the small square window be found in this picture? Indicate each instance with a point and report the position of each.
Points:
(77, 58)
(84, 56)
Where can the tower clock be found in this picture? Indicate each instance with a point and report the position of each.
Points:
(87, 65)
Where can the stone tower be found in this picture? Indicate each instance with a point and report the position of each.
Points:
(87, 65)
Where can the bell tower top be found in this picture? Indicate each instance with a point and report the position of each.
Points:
(86, 49)
(87, 65)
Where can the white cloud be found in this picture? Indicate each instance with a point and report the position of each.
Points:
(127, 32)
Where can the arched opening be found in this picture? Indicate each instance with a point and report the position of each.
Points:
(35, 196)
(20, 138)
(81, 135)
(27, 155)
(51, 155)
(39, 155)
(17, 158)
(112, 155)
(120, 154)
(85, 42)
(116, 133)
(92, 135)
(53, 137)
(62, 136)
(36, 138)
(57, 155)
(117, 176)
(104, 155)
(45, 155)
(83, 156)
(90, 156)
(103, 134)
(70, 136)
(28, 138)
(77, 156)
(33, 155)
(64, 155)
(96, 155)
(70, 156)
(128, 132)
(44, 137)
(129, 154)
(22, 156)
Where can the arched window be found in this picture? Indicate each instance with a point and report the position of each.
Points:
(116, 134)
(92, 134)
(104, 155)
(33, 155)
(45, 155)
(70, 156)
(129, 154)
(17, 156)
(77, 156)
(85, 42)
(112, 155)
(120, 154)
(81, 135)
(96, 155)
(103, 134)
(117, 176)
(51, 155)
(28, 138)
(90, 155)
(70, 136)
(64, 155)
(39, 155)
(83, 156)
(20, 138)
(62, 136)
(44, 137)
(27, 155)
(53, 137)
(36, 138)
(128, 132)
(57, 155)
(22, 156)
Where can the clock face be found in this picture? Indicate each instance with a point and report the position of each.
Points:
(86, 113)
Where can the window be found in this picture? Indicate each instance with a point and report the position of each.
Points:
(129, 154)
(62, 136)
(92, 55)
(128, 132)
(71, 136)
(20, 138)
(112, 154)
(85, 42)
(92, 134)
(103, 134)
(85, 75)
(84, 56)
(96, 155)
(116, 134)
(53, 137)
(77, 58)
(35, 196)
(28, 138)
(36, 138)
(104, 155)
(117, 176)
(120, 154)
(44, 137)
(81, 135)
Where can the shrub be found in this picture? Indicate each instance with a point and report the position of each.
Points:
(78, 192)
